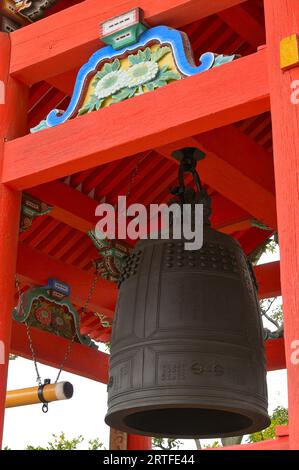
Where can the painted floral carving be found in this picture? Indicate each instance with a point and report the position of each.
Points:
(43, 315)
(141, 73)
(109, 80)
(118, 76)
(40, 310)
(144, 74)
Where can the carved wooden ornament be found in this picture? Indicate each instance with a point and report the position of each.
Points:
(160, 56)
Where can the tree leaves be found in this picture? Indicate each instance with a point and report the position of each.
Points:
(60, 442)
(278, 418)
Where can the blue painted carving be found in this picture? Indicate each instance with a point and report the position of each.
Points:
(159, 34)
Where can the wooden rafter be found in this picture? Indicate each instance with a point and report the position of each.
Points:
(247, 27)
(35, 268)
(69, 205)
(77, 210)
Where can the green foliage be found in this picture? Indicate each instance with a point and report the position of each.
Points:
(215, 445)
(166, 444)
(273, 314)
(279, 417)
(93, 104)
(124, 94)
(113, 67)
(141, 56)
(271, 246)
(159, 53)
(95, 444)
(146, 55)
(164, 75)
(277, 314)
(12, 357)
(61, 443)
(223, 59)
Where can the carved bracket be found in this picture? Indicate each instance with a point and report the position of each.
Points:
(30, 209)
(113, 254)
(48, 308)
(159, 56)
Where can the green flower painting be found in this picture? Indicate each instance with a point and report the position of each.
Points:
(143, 74)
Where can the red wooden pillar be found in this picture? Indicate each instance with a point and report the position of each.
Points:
(122, 441)
(136, 442)
(12, 124)
(282, 20)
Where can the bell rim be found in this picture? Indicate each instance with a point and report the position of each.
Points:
(260, 420)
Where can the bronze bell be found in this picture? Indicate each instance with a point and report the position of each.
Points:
(187, 355)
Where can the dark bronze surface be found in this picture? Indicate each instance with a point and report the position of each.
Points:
(187, 355)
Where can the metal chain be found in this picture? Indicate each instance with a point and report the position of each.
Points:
(90, 294)
(38, 376)
(83, 311)
(135, 172)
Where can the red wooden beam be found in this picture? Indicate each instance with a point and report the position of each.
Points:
(243, 153)
(77, 210)
(69, 205)
(245, 25)
(275, 354)
(238, 168)
(253, 239)
(236, 226)
(65, 40)
(268, 279)
(50, 350)
(64, 81)
(13, 110)
(137, 442)
(35, 267)
(225, 213)
(282, 443)
(282, 21)
(191, 106)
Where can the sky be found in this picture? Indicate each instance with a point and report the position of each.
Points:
(84, 413)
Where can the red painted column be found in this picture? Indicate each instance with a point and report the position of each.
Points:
(136, 442)
(12, 123)
(282, 20)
